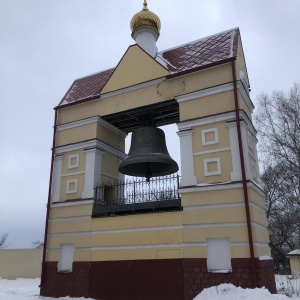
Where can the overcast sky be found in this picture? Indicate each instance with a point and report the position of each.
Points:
(46, 44)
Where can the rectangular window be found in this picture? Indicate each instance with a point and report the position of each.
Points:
(66, 256)
(218, 255)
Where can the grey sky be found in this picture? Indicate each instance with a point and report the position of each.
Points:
(45, 45)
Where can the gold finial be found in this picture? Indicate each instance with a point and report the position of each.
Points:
(145, 18)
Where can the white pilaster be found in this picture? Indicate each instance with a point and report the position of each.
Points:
(244, 133)
(186, 155)
(56, 178)
(236, 174)
(256, 162)
(93, 168)
(121, 179)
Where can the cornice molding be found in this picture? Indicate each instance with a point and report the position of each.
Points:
(91, 120)
(88, 145)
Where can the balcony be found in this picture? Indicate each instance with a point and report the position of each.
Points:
(137, 197)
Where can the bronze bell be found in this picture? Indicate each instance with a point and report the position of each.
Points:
(148, 155)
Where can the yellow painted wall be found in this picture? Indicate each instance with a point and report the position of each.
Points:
(206, 106)
(166, 90)
(223, 196)
(226, 167)
(223, 134)
(81, 168)
(75, 134)
(73, 195)
(20, 263)
(71, 211)
(110, 164)
(110, 137)
(214, 215)
(136, 66)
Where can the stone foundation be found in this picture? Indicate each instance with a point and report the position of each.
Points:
(177, 279)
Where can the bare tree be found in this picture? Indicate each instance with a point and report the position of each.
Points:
(3, 240)
(278, 124)
(37, 244)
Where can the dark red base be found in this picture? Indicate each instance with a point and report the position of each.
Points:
(178, 279)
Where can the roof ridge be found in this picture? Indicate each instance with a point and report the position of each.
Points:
(198, 40)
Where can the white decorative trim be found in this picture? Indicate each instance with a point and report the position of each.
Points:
(186, 157)
(206, 120)
(73, 157)
(56, 178)
(220, 186)
(212, 160)
(213, 206)
(145, 229)
(71, 174)
(90, 144)
(216, 134)
(158, 246)
(212, 151)
(205, 92)
(93, 169)
(66, 219)
(236, 173)
(71, 203)
(68, 186)
(91, 120)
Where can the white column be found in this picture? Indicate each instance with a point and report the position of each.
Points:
(244, 132)
(236, 174)
(121, 179)
(93, 169)
(187, 160)
(256, 162)
(56, 178)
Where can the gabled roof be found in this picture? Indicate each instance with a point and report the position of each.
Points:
(190, 57)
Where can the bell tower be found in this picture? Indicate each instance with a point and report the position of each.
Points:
(165, 237)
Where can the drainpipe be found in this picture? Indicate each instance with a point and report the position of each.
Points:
(244, 179)
(49, 201)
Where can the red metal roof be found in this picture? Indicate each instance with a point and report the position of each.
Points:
(204, 52)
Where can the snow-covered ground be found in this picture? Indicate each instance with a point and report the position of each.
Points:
(28, 289)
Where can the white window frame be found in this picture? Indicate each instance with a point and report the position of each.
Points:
(210, 160)
(66, 258)
(218, 255)
(74, 165)
(68, 189)
(205, 131)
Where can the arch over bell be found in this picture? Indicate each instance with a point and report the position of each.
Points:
(148, 155)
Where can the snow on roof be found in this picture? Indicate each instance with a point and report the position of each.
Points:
(295, 252)
(184, 58)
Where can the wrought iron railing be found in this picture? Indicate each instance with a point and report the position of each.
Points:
(137, 196)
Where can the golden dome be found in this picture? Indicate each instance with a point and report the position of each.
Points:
(145, 18)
